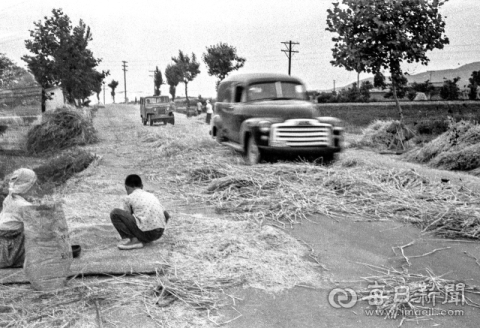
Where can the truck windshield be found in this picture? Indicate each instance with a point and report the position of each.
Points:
(276, 90)
(150, 102)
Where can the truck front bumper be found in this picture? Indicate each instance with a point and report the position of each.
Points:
(299, 151)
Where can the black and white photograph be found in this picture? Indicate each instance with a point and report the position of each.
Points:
(240, 164)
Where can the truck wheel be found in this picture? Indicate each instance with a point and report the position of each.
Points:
(253, 155)
(219, 136)
(150, 121)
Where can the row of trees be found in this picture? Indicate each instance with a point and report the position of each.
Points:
(220, 59)
(449, 90)
(60, 57)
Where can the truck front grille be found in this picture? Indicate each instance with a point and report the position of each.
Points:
(301, 133)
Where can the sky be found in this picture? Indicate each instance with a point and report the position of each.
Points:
(147, 34)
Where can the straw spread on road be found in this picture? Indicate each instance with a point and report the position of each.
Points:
(228, 221)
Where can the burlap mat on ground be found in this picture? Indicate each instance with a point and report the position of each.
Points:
(100, 256)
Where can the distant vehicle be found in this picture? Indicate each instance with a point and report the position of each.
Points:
(156, 109)
(263, 114)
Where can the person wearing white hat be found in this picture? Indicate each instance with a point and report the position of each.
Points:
(12, 237)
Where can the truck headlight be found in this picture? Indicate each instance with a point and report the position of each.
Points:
(264, 126)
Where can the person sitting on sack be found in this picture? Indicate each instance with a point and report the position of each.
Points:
(143, 219)
(12, 237)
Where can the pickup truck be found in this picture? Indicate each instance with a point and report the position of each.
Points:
(264, 114)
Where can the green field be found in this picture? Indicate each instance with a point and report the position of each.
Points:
(362, 114)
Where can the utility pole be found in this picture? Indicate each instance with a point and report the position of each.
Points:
(289, 50)
(103, 93)
(333, 85)
(125, 79)
(153, 81)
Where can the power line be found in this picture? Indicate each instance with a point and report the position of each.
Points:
(289, 44)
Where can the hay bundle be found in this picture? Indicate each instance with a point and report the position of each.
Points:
(62, 167)
(61, 129)
(386, 135)
(460, 159)
(456, 149)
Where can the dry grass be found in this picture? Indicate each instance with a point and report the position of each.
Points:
(286, 193)
(61, 129)
(413, 297)
(209, 254)
(457, 149)
(385, 135)
(208, 257)
(97, 302)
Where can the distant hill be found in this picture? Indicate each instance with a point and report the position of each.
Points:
(437, 77)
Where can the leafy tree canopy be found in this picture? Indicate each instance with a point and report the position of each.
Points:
(474, 83)
(61, 56)
(174, 76)
(376, 34)
(221, 59)
(12, 75)
(113, 85)
(450, 89)
(158, 81)
(188, 69)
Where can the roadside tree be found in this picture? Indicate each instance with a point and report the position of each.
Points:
(98, 82)
(426, 87)
(174, 76)
(376, 34)
(11, 74)
(365, 88)
(189, 68)
(221, 59)
(113, 85)
(450, 89)
(473, 86)
(158, 81)
(61, 56)
(400, 83)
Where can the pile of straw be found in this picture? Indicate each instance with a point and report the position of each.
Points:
(402, 294)
(61, 129)
(456, 149)
(95, 303)
(58, 169)
(385, 135)
(285, 194)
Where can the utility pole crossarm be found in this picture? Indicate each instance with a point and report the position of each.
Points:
(125, 78)
(153, 80)
(289, 52)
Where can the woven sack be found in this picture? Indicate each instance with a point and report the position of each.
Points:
(48, 254)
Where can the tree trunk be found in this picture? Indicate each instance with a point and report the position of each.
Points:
(44, 101)
(186, 95)
(394, 91)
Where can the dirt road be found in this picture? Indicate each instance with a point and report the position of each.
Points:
(341, 245)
